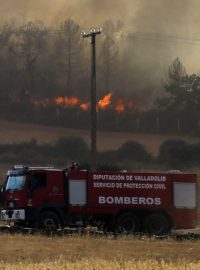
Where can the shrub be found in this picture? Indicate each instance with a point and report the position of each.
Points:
(73, 148)
(175, 153)
(194, 154)
(134, 151)
(107, 156)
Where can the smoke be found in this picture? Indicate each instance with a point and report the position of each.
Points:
(162, 30)
(177, 24)
(178, 18)
(165, 17)
(158, 30)
(161, 16)
(168, 16)
(91, 12)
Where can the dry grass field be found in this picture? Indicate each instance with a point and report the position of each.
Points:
(22, 252)
(28, 252)
(11, 132)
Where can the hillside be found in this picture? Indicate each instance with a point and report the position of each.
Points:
(12, 132)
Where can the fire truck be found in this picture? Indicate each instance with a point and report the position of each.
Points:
(119, 201)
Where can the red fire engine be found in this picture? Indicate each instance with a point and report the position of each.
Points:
(119, 201)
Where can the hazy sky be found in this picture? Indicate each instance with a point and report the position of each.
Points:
(86, 11)
(171, 18)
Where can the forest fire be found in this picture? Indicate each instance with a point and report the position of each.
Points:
(107, 102)
(104, 102)
(120, 106)
(85, 106)
(73, 101)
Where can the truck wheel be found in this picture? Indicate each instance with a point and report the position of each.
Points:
(49, 220)
(127, 223)
(157, 224)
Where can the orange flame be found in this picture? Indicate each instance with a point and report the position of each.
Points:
(59, 100)
(120, 107)
(85, 106)
(104, 102)
(73, 101)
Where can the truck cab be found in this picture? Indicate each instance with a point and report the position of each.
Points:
(31, 193)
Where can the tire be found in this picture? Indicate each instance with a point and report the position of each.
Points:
(127, 223)
(157, 224)
(49, 220)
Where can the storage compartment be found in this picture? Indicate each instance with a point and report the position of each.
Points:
(77, 192)
(185, 195)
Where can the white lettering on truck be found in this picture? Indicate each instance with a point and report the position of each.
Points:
(129, 200)
(127, 177)
(110, 177)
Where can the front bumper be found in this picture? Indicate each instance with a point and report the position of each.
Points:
(13, 214)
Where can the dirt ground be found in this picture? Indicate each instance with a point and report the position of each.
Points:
(11, 132)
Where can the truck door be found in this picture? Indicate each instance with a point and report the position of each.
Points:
(37, 193)
(46, 188)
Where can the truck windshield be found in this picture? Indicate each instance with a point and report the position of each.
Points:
(15, 182)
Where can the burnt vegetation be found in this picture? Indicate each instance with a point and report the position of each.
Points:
(45, 79)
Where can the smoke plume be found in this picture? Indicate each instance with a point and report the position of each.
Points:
(158, 31)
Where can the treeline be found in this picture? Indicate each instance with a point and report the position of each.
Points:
(173, 154)
(39, 63)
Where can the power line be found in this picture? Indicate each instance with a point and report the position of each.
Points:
(157, 37)
(139, 35)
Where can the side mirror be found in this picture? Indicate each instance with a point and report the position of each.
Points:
(3, 189)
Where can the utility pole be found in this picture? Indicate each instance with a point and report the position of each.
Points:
(93, 150)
